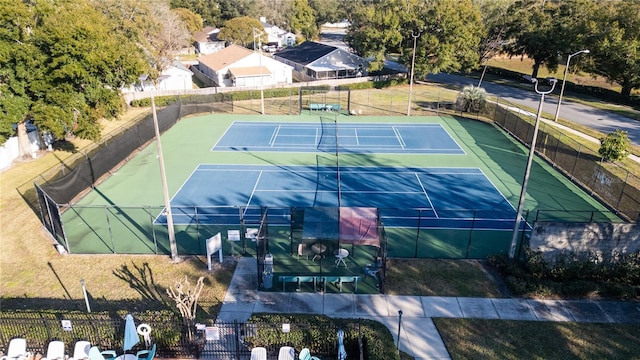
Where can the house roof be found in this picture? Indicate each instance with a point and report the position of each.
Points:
(306, 53)
(207, 34)
(180, 66)
(225, 57)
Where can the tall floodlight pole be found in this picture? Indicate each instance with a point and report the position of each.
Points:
(525, 180)
(564, 77)
(413, 63)
(260, 65)
(165, 189)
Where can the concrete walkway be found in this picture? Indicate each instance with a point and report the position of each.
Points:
(419, 336)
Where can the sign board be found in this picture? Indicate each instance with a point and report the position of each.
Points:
(212, 333)
(214, 244)
(286, 328)
(234, 235)
(66, 325)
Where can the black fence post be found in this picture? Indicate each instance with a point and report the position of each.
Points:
(236, 332)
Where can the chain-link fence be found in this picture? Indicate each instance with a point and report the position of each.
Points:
(231, 340)
(61, 186)
(612, 184)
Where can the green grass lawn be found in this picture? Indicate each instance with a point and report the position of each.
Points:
(501, 339)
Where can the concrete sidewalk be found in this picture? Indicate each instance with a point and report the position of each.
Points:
(419, 336)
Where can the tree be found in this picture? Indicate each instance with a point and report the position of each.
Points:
(448, 33)
(242, 31)
(230, 9)
(59, 69)
(615, 146)
(191, 20)
(277, 12)
(209, 10)
(532, 31)
(327, 11)
(375, 31)
(302, 20)
(493, 13)
(186, 299)
(612, 33)
(159, 32)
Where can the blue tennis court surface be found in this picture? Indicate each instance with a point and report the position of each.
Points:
(443, 195)
(350, 138)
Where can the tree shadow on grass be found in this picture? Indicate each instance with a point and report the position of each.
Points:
(140, 278)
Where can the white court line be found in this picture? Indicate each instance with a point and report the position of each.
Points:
(274, 136)
(453, 139)
(355, 132)
(427, 195)
(399, 138)
(496, 189)
(253, 191)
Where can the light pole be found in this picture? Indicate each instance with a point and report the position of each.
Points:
(260, 66)
(564, 77)
(165, 189)
(525, 180)
(413, 62)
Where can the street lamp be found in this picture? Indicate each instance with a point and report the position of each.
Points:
(260, 66)
(532, 150)
(413, 62)
(165, 190)
(566, 69)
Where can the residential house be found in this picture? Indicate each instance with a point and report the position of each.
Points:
(314, 61)
(240, 67)
(206, 41)
(175, 77)
(277, 37)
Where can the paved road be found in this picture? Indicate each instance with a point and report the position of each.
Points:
(597, 119)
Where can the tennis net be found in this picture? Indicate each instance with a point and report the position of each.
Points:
(328, 142)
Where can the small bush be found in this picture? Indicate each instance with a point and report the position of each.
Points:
(389, 83)
(571, 276)
(471, 99)
(615, 146)
(356, 86)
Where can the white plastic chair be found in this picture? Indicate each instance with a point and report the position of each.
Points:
(302, 251)
(287, 353)
(17, 350)
(259, 353)
(55, 351)
(81, 350)
(305, 354)
(96, 354)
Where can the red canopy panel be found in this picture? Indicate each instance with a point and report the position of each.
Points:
(358, 226)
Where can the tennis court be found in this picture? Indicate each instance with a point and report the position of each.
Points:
(445, 187)
(347, 137)
(428, 189)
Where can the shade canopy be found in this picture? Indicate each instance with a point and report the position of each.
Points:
(347, 225)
